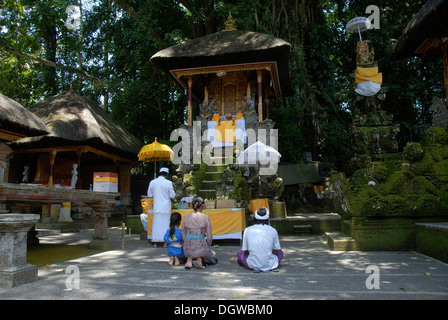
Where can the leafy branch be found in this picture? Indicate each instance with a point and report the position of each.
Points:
(58, 66)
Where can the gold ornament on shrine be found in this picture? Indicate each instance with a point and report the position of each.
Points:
(230, 23)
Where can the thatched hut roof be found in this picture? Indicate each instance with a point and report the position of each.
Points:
(16, 118)
(429, 23)
(228, 48)
(75, 120)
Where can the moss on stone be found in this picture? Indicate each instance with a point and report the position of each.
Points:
(413, 151)
(377, 171)
(435, 136)
(415, 185)
(440, 170)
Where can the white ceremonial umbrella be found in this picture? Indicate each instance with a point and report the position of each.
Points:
(358, 24)
(256, 153)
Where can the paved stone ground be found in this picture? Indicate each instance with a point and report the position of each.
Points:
(309, 270)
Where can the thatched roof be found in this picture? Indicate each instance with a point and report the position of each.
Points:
(228, 48)
(17, 119)
(76, 120)
(429, 23)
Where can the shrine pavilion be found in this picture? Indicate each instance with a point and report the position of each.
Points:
(426, 35)
(16, 122)
(80, 133)
(229, 72)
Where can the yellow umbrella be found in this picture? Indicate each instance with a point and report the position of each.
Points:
(155, 152)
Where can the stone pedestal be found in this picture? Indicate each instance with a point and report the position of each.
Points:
(277, 209)
(100, 236)
(14, 270)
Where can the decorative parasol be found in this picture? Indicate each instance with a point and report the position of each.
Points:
(259, 152)
(358, 24)
(155, 152)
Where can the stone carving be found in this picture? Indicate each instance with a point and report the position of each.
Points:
(440, 118)
(74, 179)
(364, 57)
(412, 184)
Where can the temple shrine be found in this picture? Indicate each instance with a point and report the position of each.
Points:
(229, 73)
(230, 78)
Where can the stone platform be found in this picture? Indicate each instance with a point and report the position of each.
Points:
(312, 223)
(309, 270)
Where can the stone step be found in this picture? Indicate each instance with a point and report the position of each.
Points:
(220, 161)
(339, 241)
(212, 176)
(47, 232)
(207, 193)
(216, 168)
(207, 185)
(303, 229)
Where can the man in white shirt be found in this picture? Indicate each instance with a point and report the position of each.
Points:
(261, 249)
(162, 191)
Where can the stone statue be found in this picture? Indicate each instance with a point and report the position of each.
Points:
(278, 188)
(179, 188)
(25, 173)
(74, 179)
(440, 118)
(2, 170)
(364, 57)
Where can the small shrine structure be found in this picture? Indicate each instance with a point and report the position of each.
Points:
(427, 34)
(82, 139)
(229, 72)
(232, 76)
(80, 133)
(16, 122)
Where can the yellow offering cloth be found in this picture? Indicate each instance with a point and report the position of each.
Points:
(256, 204)
(226, 223)
(226, 129)
(368, 74)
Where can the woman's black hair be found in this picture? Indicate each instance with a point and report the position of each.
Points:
(197, 203)
(175, 220)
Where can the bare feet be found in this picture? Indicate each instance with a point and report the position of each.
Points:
(198, 264)
(189, 264)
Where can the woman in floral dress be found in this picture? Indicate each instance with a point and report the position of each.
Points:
(197, 236)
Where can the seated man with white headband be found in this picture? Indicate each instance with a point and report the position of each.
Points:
(261, 249)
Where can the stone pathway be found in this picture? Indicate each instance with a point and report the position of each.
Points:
(309, 271)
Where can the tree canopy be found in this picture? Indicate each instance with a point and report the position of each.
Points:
(108, 59)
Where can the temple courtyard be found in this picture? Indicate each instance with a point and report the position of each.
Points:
(309, 271)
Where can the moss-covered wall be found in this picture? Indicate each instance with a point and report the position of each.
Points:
(412, 184)
(433, 242)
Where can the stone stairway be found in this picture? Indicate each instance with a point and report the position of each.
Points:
(303, 229)
(339, 241)
(214, 173)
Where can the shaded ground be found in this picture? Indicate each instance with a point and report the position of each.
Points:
(309, 271)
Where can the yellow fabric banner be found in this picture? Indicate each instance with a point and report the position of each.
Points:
(147, 204)
(368, 74)
(223, 221)
(226, 126)
(256, 204)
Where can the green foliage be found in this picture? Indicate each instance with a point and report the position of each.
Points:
(118, 38)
